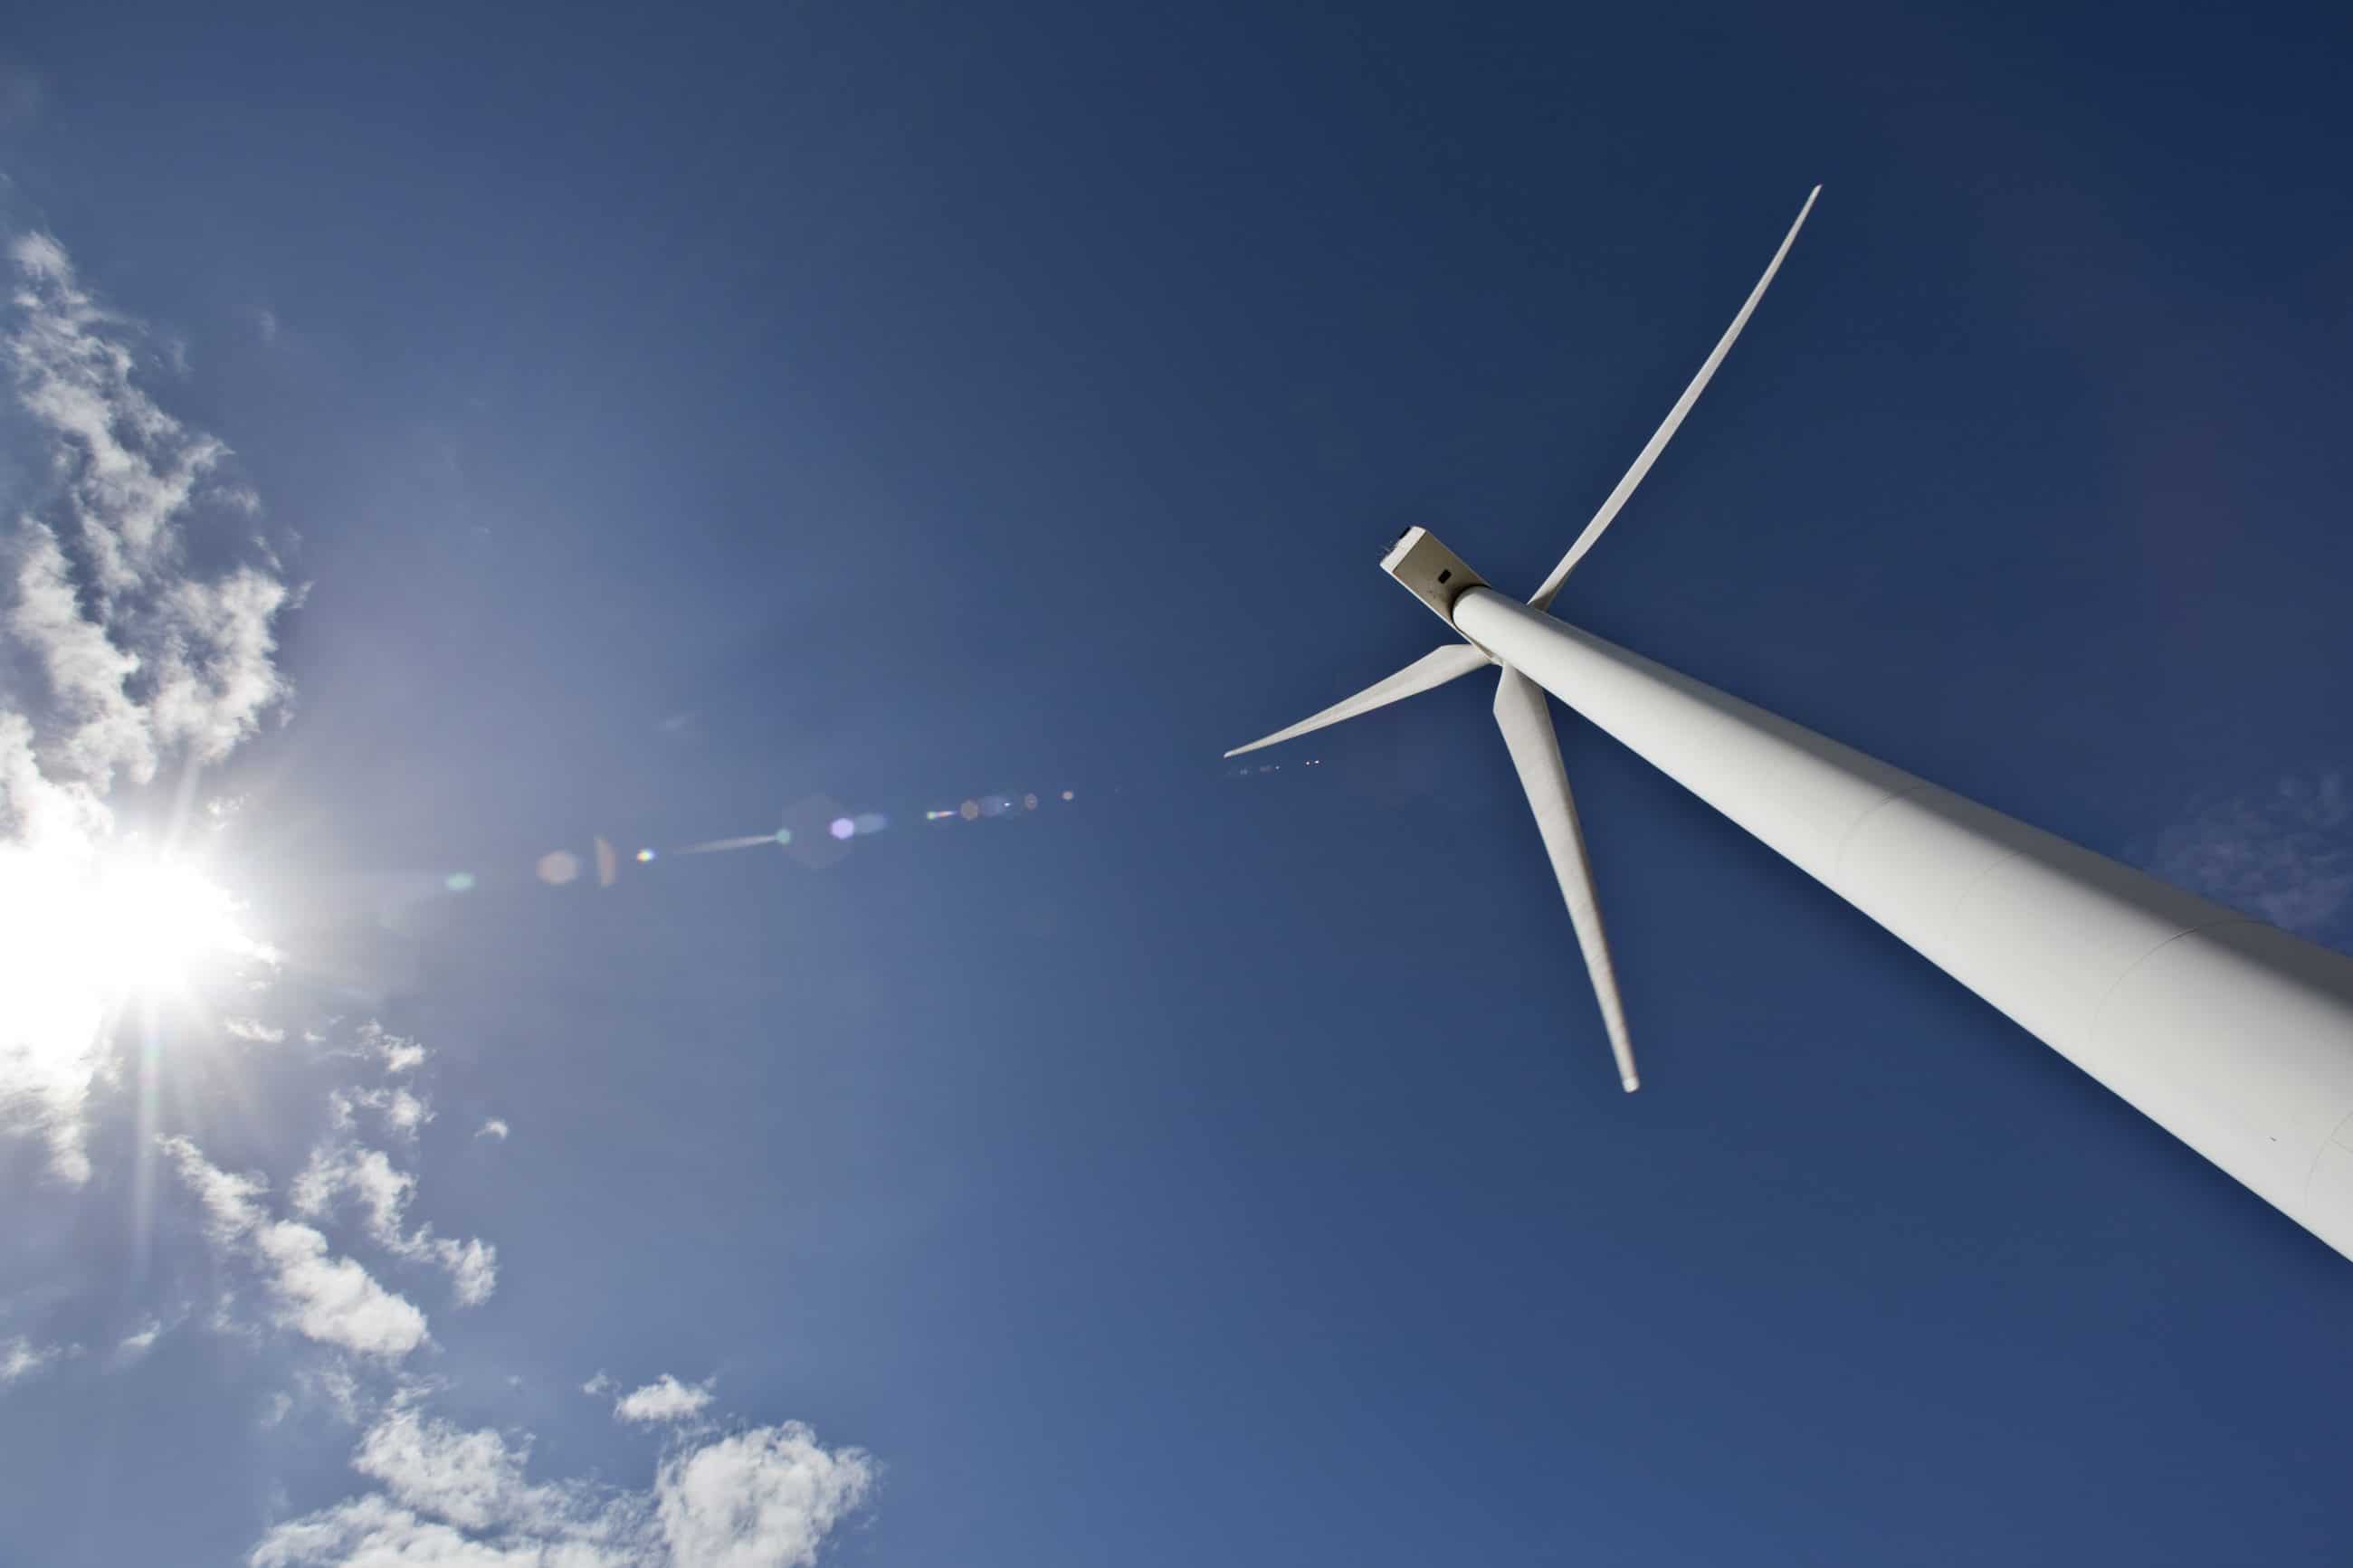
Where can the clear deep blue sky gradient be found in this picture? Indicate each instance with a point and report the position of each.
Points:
(685, 413)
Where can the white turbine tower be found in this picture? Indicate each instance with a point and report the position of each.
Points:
(2231, 1034)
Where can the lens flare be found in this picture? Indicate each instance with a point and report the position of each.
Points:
(819, 835)
(748, 841)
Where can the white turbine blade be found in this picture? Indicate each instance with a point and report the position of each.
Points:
(1526, 723)
(1433, 669)
(1661, 436)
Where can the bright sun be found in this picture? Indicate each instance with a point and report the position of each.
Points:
(86, 933)
(160, 925)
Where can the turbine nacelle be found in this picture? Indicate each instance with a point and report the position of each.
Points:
(1425, 568)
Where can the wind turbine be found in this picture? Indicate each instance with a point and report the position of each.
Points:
(2231, 1034)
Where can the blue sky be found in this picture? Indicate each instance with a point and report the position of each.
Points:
(435, 443)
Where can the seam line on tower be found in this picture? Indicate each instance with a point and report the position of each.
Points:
(2303, 1192)
(1838, 861)
(2092, 1029)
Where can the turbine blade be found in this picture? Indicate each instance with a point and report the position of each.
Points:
(1526, 723)
(1431, 670)
(1661, 436)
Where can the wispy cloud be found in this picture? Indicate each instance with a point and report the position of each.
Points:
(495, 1127)
(382, 1191)
(20, 1358)
(403, 1109)
(162, 655)
(116, 653)
(330, 1300)
(663, 1400)
(132, 1348)
(137, 467)
(396, 1053)
(2285, 854)
(332, 1387)
(444, 1495)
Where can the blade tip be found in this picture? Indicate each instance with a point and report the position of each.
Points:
(1631, 1082)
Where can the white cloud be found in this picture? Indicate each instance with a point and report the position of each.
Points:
(765, 1498)
(601, 1383)
(100, 728)
(327, 1299)
(252, 1029)
(210, 660)
(664, 1399)
(762, 1499)
(134, 1347)
(403, 1109)
(382, 1191)
(231, 1203)
(20, 1358)
(373, 1533)
(496, 1128)
(473, 1267)
(398, 1055)
(132, 466)
(115, 655)
(143, 653)
(367, 1174)
(333, 1299)
(474, 1480)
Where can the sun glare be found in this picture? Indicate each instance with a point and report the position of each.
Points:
(160, 925)
(97, 931)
